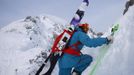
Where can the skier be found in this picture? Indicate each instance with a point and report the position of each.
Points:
(73, 62)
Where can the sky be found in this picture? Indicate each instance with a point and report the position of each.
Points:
(100, 14)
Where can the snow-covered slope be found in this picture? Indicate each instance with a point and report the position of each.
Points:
(24, 43)
(119, 59)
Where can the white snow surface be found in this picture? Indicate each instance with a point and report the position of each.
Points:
(119, 58)
(25, 43)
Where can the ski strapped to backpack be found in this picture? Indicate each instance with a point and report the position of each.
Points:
(62, 40)
(79, 13)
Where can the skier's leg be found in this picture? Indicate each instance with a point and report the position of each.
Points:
(65, 71)
(84, 63)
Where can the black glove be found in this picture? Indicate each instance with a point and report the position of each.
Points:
(110, 39)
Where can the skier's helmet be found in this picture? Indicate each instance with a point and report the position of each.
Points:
(84, 26)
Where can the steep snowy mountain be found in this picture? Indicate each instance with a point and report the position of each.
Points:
(24, 43)
(119, 58)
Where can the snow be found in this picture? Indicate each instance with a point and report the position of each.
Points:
(119, 58)
(25, 43)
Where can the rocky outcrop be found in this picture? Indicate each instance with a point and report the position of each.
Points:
(128, 4)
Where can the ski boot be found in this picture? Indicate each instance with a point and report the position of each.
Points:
(76, 72)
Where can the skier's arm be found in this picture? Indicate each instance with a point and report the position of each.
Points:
(92, 42)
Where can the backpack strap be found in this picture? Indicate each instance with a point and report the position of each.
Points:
(73, 51)
(75, 44)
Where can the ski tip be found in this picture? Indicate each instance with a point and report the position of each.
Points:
(86, 2)
(115, 28)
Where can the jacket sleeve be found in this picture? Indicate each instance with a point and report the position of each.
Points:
(91, 42)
